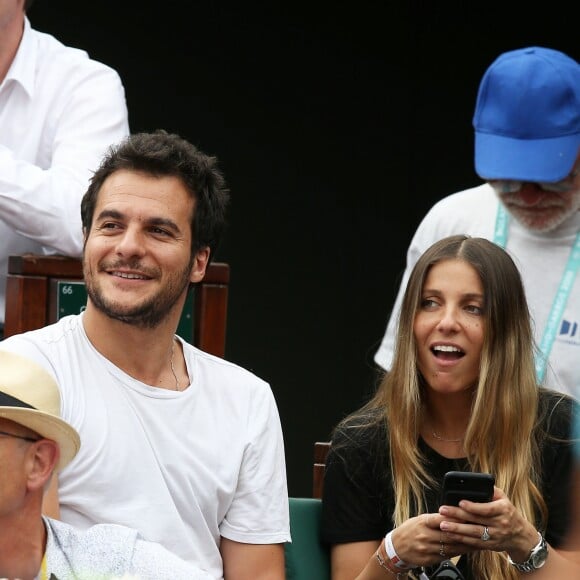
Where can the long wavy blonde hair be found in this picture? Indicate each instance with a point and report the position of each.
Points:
(500, 437)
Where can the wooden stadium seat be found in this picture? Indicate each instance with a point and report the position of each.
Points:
(42, 289)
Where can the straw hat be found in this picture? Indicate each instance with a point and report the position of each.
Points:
(30, 397)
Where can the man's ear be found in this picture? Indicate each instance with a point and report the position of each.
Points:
(43, 458)
(199, 265)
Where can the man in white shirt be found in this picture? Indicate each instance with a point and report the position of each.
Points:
(527, 144)
(35, 443)
(179, 444)
(59, 112)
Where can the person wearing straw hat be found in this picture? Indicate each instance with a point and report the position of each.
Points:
(34, 443)
(527, 145)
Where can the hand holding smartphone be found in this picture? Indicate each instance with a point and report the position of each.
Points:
(458, 485)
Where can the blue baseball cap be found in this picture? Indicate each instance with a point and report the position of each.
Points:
(527, 116)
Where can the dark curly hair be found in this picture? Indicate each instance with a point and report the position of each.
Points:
(165, 154)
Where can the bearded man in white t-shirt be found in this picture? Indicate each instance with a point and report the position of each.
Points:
(527, 144)
(181, 445)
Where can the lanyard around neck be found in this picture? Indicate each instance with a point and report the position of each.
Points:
(500, 236)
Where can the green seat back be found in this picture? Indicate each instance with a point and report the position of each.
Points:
(306, 557)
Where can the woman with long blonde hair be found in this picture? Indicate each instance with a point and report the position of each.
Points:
(461, 395)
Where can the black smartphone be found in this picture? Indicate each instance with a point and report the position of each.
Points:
(458, 485)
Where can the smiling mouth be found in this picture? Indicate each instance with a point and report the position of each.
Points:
(129, 276)
(446, 352)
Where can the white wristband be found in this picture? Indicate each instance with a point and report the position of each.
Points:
(396, 561)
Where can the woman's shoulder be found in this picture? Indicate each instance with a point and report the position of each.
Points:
(361, 424)
(363, 432)
(359, 454)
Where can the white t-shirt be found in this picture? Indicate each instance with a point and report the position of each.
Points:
(540, 257)
(183, 468)
(59, 112)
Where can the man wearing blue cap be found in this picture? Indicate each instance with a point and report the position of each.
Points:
(527, 142)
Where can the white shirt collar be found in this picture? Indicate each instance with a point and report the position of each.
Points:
(23, 66)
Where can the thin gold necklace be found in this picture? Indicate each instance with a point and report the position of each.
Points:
(447, 440)
(173, 367)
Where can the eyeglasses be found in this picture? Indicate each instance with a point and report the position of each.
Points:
(513, 185)
(5, 434)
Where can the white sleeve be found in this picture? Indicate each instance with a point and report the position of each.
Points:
(384, 355)
(44, 204)
(152, 561)
(258, 513)
(424, 236)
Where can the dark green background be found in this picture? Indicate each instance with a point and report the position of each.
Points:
(71, 298)
(338, 124)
